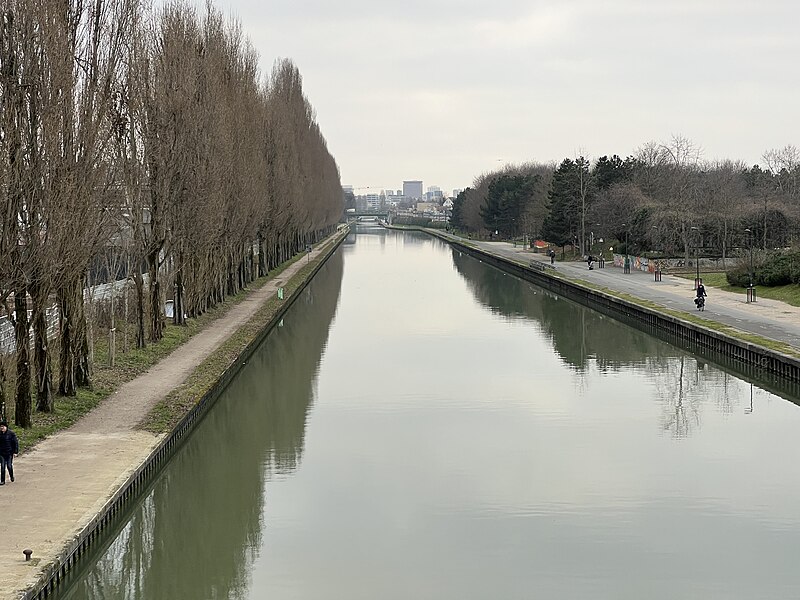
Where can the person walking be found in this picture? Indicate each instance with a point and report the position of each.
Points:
(9, 448)
(552, 256)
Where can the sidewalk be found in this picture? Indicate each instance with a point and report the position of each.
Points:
(768, 318)
(66, 479)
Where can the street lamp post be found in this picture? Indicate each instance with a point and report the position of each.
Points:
(627, 268)
(626, 264)
(697, 267)
(657, 269)
(696, 260)
(750, 244)
(751, 290)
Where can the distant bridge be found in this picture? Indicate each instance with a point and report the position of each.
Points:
(367, 213)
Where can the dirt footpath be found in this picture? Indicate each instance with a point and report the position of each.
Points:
(66, 479)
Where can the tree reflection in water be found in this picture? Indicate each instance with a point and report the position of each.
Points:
(582, 337)
(199, 529)
(681, 401)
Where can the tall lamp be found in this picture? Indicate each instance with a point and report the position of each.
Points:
(626, 266)
(751, 290)
(750, 244)
(696, 260)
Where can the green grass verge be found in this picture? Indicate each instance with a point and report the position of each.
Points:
(66, 411)
(128, 365)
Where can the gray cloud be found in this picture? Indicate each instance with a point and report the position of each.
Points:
(441, 89)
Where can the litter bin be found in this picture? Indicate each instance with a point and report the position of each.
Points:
(657, 274)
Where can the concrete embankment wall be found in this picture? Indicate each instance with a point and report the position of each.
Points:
(750, 358)
(110, 515)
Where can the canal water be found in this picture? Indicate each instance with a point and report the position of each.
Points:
(423, 426)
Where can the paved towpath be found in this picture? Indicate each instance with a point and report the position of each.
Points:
(66, 479)
(768, 318)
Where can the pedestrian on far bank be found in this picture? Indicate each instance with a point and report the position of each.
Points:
(9, 448)
(552, 256)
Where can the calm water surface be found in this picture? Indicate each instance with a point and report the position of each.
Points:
(423, 426)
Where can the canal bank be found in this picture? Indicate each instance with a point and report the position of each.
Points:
(471, 435)
(764, 337)
(72, 485)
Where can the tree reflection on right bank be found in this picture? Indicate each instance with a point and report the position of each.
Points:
(586, 339)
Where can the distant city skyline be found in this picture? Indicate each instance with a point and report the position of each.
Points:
(430, 190)
(476, 86)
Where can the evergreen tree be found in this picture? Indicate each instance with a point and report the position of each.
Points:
(562, 224)
(610, 171)
(457, 216)
(505, 202)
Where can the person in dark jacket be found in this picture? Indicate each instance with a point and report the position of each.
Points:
(9, 448)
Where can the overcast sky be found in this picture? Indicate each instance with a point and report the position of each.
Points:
(443, 90)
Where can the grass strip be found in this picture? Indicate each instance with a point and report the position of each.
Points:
(170, 410)
(106, 379)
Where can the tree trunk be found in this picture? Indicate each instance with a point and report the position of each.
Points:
(156, 322)
(67, 385)
(178, 309)
(23, 416)
(3, 415)
(41, 354)
(74, 369)
(83, 367)
(44, 371)
(262, 262)
(138, 280)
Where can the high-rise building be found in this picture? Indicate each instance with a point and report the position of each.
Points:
(434, 194)
(412, 189)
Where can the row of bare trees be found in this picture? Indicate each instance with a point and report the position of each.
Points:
(665, 197)
(149, 136)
